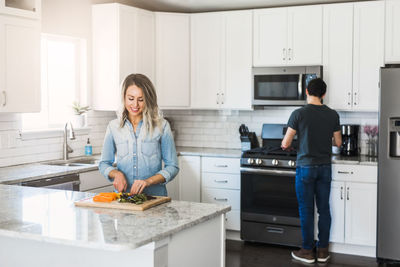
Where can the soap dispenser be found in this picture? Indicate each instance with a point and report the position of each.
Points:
(88, 148)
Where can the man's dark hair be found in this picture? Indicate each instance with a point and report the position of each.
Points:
(316, 87)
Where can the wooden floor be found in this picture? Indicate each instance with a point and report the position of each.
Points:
(245, 254)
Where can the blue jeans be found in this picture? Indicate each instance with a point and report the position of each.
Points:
(314, 180)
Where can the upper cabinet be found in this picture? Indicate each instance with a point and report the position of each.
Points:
(19, 64)
(368, 49)
(26, 8)
(287, 36)
(173, 60)
(123, 43)
(392, 34)
(352, 54)
(221, 60)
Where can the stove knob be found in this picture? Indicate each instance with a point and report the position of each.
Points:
(291, 163)
(275, 162)
(250, 161)
(258, 161)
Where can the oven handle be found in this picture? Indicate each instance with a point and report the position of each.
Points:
(266, 171)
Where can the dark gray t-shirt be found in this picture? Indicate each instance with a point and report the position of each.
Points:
(315, 126)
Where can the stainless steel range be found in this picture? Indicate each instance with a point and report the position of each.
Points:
(269, 210)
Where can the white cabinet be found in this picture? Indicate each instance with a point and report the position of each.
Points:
(338, 55)
(221, 184)
(221, 60)
(19, 64)
(173, 60)
(353, 223)
(353, 54)
(189, 178)
(94, 180)
(25, 8)
(368, 54)
(123, 43)
(287, 36)
(392, 31)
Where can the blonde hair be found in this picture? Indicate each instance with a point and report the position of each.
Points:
(152, 116)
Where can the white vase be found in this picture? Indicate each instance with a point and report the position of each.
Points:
(78, 121)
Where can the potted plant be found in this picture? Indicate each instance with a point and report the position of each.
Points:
(79, 111)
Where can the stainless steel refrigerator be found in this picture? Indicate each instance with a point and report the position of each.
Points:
(388, 226)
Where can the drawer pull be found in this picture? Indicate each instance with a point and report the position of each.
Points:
(221, 166)
(221, 181)
(220, 199)
(341, 172)
(274, 230)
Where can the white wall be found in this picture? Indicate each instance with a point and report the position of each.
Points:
(196, 128)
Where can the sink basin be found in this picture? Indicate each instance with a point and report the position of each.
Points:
(73, 162)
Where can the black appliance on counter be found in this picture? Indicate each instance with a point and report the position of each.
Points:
(249, 139)
(350, 140)
(269, 210)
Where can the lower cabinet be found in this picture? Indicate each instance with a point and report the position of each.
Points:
(353, 205)
(220, 183)
(93, 181)
(188, 179)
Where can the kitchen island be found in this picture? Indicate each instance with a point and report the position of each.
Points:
(42, 227)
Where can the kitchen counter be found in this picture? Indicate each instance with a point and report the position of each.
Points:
(358, 160)
(26, 172)
(49, 216)
(208, 152)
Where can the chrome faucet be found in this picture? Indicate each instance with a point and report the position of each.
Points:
(71, 135)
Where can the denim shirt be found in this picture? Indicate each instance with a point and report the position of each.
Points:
(138, 156)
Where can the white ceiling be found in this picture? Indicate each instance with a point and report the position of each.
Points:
(213, 5)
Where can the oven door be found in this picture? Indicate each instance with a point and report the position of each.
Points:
(269, 196)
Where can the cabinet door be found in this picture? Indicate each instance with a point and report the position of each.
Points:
(189, 178)
(237, 93)
(368, 54)
(337, 212)
(338, 55)
(270, 37)
(20, 85)
(304, 35)
(207, 65)
(360, 222)
(145, 41)
(173, 186)
(173, 60)
(392, 30)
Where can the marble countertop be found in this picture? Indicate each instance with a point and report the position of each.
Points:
(360, 160)
(50, 215)
(209, 152)
(26, 172)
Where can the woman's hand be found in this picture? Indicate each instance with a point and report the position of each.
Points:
(119, 180)
(138, 186)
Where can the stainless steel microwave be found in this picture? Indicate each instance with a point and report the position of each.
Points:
(282, 86)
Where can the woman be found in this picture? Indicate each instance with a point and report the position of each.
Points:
(140, 139)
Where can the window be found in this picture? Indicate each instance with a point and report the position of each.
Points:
(63, 81)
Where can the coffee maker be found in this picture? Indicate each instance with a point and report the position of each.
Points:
(349, 140)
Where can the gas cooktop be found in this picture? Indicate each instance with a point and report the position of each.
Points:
(269, 157)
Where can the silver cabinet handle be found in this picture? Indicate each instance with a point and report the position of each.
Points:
(341, 192)
(221, 166)
(274, 230)
(342, 172)
(349, 98)
(221, 181)
(284, 53)
(220, 199)
(290, 53)
(347, 193)
(5, 98)
(355, 98)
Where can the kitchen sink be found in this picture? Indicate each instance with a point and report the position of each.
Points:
(72, 162)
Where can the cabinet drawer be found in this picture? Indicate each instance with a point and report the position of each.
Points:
(233, 220)
(221, 165)
(354, 173)
(220, 180)
(92, 180)
(221, 196)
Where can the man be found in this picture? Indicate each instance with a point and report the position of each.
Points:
(315, 124)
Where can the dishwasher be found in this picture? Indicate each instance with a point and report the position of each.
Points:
(64, 182)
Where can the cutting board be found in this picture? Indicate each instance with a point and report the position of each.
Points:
(88, 202)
